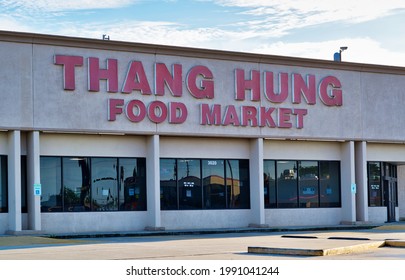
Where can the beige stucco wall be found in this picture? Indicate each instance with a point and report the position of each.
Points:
(34, 98)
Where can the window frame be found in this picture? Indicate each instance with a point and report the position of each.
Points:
(142, 178)
(297, 163)
(228, 205)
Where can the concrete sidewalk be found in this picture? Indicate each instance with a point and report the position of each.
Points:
(320, 242)
(335, 242)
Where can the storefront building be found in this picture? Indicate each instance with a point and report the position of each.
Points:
(99, 136)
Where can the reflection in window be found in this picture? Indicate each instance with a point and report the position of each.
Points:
(312, 184)
(76, 184)
(287, 184)
(270, 192)
(308, 184)
(330, 183)
(51, 182)
(390, 185)
(189, 184)
(214, 184)
(375, 189)
(3, 185)
(168, 184)
(132, 184)
(104, 184)
(225, 184)
(93, 184)
(237, 184)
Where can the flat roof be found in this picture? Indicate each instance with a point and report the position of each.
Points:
(111, 45)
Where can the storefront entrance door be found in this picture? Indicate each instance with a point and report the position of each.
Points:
(390, 192)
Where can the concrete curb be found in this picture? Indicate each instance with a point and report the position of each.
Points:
(318, 252)
(395, 243)
(207, 231)
(358, 248)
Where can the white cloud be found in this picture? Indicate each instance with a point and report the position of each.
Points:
(285, 15)
(8, 23)
(147, 32)
(56, 5)
(268, 20)
(360, 50)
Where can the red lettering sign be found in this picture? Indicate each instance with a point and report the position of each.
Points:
(242, 85)
(69, 63)
(205, 87)
(200, 84)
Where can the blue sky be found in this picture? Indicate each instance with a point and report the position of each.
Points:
(373, 30)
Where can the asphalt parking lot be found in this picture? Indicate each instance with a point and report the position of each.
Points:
(386, 242)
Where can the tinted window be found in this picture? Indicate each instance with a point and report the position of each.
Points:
(270, 193)
(203, 183)
(51, 182)
(74, 184)
(301, 184)
(287, 184)
(213, 173)
(308, 184)
(168, 184)
(132, 184)
(189, 183)
(3, 184)
(330, 184)
(104, 184)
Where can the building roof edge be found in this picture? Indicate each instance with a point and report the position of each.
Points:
(79, 42)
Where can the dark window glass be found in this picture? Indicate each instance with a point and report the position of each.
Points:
(329, 183)
(24, 204)
(374, 184)
(390, 189)
(189, 177)
(168, 184)
(76, 183)
(238, 185)
(214, 184)
(308, 184)
(318, 184)
(132, 184)
(104, 188)
(394, 195)
(3, 185)
(270, 193)
(51, 181)
(287, 184)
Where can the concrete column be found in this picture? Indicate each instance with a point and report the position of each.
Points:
(14, 181)
(153, 183)
(257, 183)
(401, 192)
(361, 182)
(348, 183)
(33, 178)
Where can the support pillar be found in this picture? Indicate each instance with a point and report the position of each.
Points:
(14, 181)
(33, 178)
(348, 184)
(153, 183)
(257, 183)
(361, 182)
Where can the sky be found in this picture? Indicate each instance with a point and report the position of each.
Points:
(373, 30)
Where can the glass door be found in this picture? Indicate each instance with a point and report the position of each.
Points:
(390, 190)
